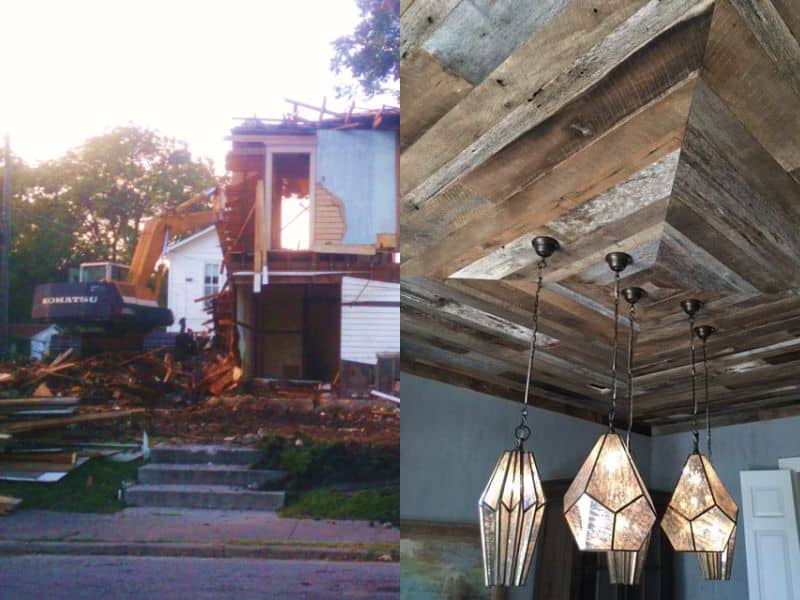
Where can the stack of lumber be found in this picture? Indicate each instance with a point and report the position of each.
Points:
(220, 375)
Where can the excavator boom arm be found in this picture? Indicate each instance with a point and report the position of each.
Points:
(156, 230)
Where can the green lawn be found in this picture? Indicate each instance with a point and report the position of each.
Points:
(91, 487)
(381, 505)
(315, 471)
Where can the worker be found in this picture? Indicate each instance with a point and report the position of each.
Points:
(184, 343)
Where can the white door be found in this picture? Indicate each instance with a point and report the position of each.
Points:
(771, 535)
(792, 464)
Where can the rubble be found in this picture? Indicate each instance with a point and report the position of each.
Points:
(67, 394)
(124, 377)
(64, 408)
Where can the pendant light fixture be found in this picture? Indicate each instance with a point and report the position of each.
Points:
(607, 506)
(625, 566)
(512, 504)
(701, 515)
(715, 566)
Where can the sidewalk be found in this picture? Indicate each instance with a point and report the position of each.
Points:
(207, 533)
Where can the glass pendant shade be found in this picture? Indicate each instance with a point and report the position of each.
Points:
(716, 566)
(607, 506)
(701, 515)
(624, 567)
(511, 511)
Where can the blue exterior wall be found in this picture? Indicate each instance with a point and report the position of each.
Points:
(359, 167)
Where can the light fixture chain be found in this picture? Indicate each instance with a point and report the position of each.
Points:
(631, 319)
(708, 401)
(696, 433)
(542, 265)
(612, 413)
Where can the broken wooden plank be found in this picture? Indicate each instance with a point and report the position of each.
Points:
(54, 423)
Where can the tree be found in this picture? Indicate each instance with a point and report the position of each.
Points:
(372, 52)
(90, 204)
(41, 239)
(114, 181)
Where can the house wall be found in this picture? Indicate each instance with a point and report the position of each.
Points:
(451, 438)
(750, 446)
(359, 167)
(371, 322)
(185, 281)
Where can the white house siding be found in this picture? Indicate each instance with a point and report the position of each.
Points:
(370, 319)
(187, 260)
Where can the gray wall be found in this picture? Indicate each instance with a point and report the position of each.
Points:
(450, 439)
(736, 448)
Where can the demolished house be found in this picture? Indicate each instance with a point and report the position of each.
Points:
(309, 240)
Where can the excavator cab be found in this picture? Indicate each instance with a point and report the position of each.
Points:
(102, 271)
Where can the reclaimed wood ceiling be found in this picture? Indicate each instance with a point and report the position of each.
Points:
(667, 129)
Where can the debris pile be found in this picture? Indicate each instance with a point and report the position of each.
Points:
(43, 405)
(125, 379)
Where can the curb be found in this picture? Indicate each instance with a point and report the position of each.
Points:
(275, 552)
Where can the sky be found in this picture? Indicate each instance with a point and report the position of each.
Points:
(76, 69)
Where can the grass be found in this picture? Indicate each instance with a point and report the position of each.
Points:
(381, 505)
(92, 487)
(317, 465)
(315, 471)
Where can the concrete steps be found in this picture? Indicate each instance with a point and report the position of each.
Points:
(204, 454)
(203, 496)
(198, 474)
(203, 476)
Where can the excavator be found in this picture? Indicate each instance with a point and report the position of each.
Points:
(113, 306)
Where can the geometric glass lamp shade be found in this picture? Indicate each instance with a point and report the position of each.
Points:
(607, 507)
(511, 510)
(512, 505)
(625, 568)
(701, 515)
(716, 566)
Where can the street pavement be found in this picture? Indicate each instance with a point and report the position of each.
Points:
(165, 578)
(189, 526)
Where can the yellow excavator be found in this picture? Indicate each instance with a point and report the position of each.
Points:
(115, 305)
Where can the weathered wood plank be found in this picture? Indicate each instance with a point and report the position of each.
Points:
(648, 136)
(642, 79)
(513, 362)
(748, 81)
(419, 20)
(775, 37)
(708, 184)
(553, 49)
(429, 91)
(651, 184)
(634, 33)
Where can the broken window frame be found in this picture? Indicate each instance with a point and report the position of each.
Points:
(290, 146)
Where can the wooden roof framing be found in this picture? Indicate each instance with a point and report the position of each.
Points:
(667, 129)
